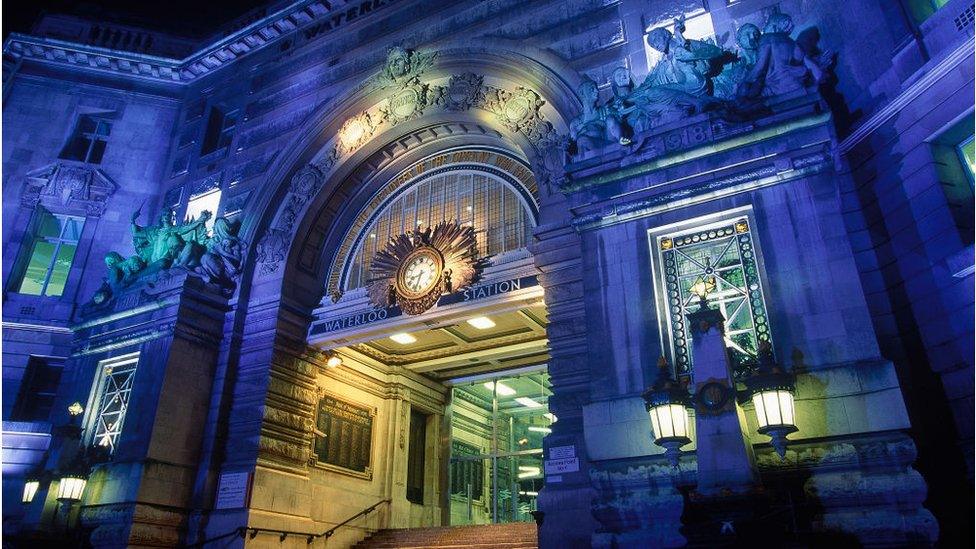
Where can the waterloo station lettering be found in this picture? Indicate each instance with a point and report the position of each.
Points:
(468, 294)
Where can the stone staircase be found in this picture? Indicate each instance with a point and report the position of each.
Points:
(516, 535)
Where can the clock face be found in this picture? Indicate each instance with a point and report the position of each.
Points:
(420, 273)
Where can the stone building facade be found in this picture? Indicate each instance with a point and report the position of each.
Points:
(448, 248)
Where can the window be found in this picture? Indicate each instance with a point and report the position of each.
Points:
(55, 241)
(954, 152)
(38, 388)
(501, 220)
(967, 155)
(923, 9)
(727, 251)
(220, 130)
(208, 201)
(416, 465)
(87, 143)
(112, 400)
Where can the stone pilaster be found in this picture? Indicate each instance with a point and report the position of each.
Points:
(567, 504)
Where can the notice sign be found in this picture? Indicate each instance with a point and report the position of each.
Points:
(560, 466)
(562, 452)
(232, 490)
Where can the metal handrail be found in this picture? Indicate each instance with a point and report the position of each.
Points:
(328, 533)
(243, 531)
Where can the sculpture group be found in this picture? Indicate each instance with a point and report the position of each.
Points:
(695, 76)
(214, 255)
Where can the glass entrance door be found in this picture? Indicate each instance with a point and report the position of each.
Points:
(497, 427)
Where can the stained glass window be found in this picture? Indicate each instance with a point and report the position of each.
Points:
(727, 252)
(113, 400)
(501, 220)
(53, 250)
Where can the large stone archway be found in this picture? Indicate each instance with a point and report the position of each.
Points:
(491, 97)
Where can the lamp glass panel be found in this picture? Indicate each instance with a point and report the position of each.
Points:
(30, 489)
(669, 420)
(71, 488)
(757, 401)
(786, 407)
(771, 404)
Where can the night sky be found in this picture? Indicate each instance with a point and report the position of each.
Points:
(189, 18)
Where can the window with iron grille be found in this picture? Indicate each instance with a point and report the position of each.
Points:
(112, 400)
(726, 251)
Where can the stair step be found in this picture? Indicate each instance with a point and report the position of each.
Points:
(519, 535)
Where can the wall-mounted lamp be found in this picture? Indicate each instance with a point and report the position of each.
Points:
(30, 489)
(71, 487)
(772, 391)
(667, 403)
(333, 360)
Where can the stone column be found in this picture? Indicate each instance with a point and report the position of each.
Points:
(725, 458)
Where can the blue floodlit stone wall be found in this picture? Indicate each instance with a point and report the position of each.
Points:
(873, 253)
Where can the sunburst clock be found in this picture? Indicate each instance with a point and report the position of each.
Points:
(415, 268)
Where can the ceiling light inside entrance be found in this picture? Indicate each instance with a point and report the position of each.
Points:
(481, 322)
(528, 402)
(503, 390)
(525, 472)
(403, 339)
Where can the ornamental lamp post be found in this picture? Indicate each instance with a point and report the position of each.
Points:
(667, 403)
(772, 391)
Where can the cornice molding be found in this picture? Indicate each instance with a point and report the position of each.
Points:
(929, 79)
(209, 58)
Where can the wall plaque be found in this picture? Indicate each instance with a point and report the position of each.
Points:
(345, 435)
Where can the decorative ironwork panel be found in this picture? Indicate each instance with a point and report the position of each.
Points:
(728, 253)
(113, 403)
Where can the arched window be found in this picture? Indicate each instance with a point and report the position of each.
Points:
(501, 218)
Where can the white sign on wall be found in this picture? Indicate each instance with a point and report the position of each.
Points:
(232, 490)
(562, 452)
(560, 466)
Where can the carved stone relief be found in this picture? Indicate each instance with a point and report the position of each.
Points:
(517, 110)
(68, 187)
